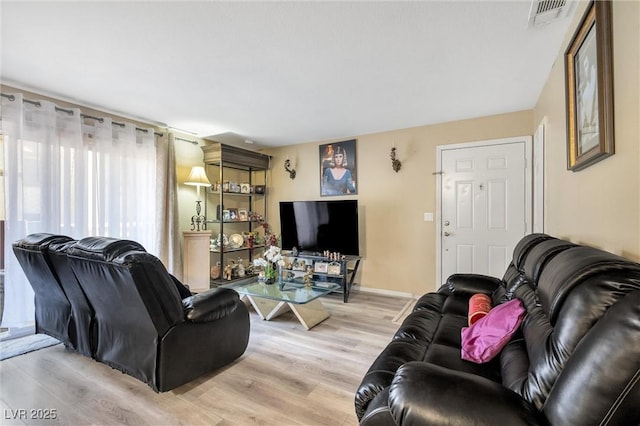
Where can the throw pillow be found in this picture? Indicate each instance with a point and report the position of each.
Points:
(479, 307)
(485, 338)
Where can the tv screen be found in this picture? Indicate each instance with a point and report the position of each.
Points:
(316, 226)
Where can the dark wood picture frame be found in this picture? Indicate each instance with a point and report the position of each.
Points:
(589, 89)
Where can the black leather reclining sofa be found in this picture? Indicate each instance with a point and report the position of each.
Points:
(111, 300)
(574, 361)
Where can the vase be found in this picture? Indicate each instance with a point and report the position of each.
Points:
(270, 275)
(267, 280)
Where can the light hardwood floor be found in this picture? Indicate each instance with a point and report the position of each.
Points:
(287, 376)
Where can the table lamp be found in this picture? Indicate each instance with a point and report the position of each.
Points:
(198, 178)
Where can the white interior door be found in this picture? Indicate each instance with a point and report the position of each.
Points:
(485, 205)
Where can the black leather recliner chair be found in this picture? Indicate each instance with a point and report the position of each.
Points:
(138, 318)
(144, 327)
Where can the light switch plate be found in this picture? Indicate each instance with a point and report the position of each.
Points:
(428, 217)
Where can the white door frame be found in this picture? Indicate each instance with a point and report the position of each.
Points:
(477, 144)
(538, 177)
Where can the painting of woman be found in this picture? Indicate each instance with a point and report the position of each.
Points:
(337, 168)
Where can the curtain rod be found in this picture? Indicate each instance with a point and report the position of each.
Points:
(70, 112)
(185, 140)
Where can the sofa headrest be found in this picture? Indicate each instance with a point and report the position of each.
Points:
(61, 247)
(103, 248)
(39, 241)
(526, 244)
(574, 266)
(540, 255)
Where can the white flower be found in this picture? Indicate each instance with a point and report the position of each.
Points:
(271, 258)
(273, 254)
(259, 262)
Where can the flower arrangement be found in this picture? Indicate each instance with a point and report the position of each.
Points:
(270, 262)
(270, 239)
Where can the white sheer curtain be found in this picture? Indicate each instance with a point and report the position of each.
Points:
(65, 176)
(120, 182)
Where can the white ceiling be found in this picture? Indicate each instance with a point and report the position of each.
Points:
(281, 73)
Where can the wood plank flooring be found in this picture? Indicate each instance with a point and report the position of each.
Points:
(287, 376)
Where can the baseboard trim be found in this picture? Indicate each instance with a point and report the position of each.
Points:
(406, 310)
(391, 293)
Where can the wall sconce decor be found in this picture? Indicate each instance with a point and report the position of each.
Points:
(287, 167)
(396, 164)
(198, 178)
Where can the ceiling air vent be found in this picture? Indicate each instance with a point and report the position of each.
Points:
(543, 12)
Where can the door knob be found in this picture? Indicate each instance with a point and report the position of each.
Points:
(446, 223)
(446, 234)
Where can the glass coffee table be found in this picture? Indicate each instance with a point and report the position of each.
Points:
(270, 301)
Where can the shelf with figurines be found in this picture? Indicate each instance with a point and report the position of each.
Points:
(234, 270)
(244, 189)
(236, 242)
(324, 266)
(223, 247)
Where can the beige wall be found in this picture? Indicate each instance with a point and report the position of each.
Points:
(599, 205)
(397, 245)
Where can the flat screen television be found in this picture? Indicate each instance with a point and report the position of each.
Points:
(316, 226)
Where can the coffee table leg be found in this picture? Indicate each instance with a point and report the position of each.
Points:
(310, 314)
(265, 307)
(277, 310)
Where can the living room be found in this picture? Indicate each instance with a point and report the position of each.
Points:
(598, 206)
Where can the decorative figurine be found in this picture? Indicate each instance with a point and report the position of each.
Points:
(307, 279)
(294, 251)
(240, 268)
(227, 272)
(215, 271)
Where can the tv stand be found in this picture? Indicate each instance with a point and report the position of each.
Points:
(324, 269)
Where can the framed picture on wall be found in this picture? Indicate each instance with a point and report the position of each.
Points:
(338, 169)
(589, 89)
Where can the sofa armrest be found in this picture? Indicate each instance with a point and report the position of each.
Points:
(210, 305)
(424, 393)
(470, 284)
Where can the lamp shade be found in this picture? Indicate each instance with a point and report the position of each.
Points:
(197, 177)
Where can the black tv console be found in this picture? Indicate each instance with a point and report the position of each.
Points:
(342, 271)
